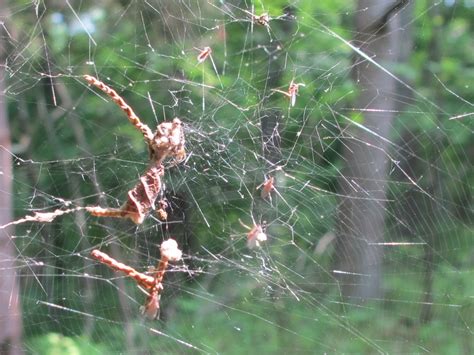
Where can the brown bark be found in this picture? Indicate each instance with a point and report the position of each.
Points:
(10, 311)
(363, 182)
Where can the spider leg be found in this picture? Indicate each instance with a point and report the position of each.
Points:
(105, 212)
(132, 117)
(244, 225)
(281, 92)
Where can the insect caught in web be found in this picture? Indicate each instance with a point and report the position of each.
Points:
(152, 285)
(167, 141)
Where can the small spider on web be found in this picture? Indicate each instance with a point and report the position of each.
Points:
(167, 141)
(260, 20)
(267, 188)
(205, 53)
(256, 234)
(292, 91)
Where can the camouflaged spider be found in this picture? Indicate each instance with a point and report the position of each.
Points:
(167, 141)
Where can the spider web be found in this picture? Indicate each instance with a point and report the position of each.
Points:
(73, 147)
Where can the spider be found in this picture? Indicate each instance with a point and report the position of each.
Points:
(267, 187)
(167, 141)
(262, 19)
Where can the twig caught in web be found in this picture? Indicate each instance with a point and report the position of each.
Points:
(167, 141)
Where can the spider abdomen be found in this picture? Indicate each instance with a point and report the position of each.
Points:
(141, 199)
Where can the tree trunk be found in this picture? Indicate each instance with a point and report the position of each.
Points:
(10, 312)
(363, 183)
